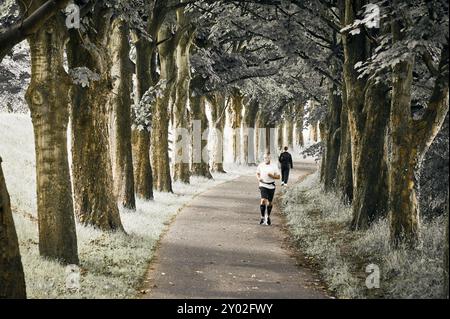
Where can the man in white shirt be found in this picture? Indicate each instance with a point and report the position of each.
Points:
(267, 173)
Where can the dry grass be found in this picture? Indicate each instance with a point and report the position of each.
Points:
(319, 223)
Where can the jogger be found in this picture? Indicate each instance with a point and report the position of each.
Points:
(266, 173)
(285, 160)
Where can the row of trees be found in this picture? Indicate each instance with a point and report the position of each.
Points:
(124, 79)
(393, 75)
(375, 75)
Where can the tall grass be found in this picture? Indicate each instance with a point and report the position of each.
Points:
(319, 222)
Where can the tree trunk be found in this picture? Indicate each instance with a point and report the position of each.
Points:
(371, 195)
(249, 132)
(344, 167)
(402, 195)
(355, 50)
(146, 77)
(160, 122)
(299, 126)
(200, 161)
(181, 154)
(367, 118)
(332, 139)
(403, 208)
(409, 139)
(95, 203)
(142, 169)
(314, 132)
(280, 137)
(260, 137)
(266, 135)
(446, 247)
(236, 121)
(218, 106)
(121, 72)
(48, 99)
(290, 133)
(143, 174)
(12, 279)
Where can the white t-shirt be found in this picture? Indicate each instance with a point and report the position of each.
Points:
(264, 170)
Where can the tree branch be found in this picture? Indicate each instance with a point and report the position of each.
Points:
(20, 31)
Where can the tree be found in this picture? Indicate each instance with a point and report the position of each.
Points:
(344, 176)
(366, 126)
(181, 159)
(160, 122)
(446, 248)
(11, 271)
(235, 112)
(332, 140)
(95, 202)
(120, 108)
(199, 129)
(249, 125)
(218, 106)
(299, 125)
(410, 138)
(48, 100)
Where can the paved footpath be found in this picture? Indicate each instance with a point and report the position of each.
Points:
(215, 248)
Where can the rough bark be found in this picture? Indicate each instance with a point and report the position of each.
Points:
(402, 195)
(120, 104)
(12, 279)
(48, 100)
(371, 195)
(95, 203)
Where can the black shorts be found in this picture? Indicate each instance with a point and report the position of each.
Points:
(267, 193)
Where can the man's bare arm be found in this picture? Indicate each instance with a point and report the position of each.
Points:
(274, 176)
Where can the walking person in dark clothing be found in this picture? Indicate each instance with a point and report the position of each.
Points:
(286, 164)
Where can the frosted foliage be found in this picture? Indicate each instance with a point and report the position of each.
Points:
(14, 79)
(142, 112)
(83, 76)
